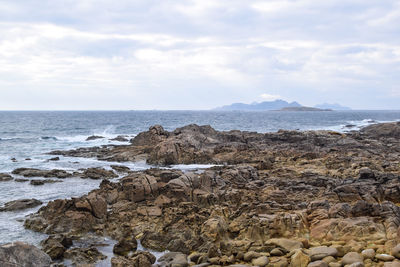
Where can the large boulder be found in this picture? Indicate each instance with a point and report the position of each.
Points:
(22, 254)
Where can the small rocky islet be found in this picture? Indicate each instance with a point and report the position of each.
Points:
(289, 198)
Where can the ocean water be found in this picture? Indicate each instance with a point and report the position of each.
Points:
(28, 136)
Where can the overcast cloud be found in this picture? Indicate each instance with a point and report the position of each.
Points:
(198, 54)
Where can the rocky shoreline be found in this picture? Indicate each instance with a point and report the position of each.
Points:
(289, 198)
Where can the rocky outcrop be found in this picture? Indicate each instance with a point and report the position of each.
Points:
(383, 130)
(289, 198)
(24, 255)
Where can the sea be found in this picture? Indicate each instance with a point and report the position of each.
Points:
(26, 137)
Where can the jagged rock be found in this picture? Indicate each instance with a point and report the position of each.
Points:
(21, 204)
(84, 255)
(54, 247)
(125, 246)
(22, 254)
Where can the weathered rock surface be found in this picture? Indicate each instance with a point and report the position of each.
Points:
(98, 173)
(31, 172)
(84, 255)
(306, 198)
(352, 257)
(22, 254)
(20, 204)
(137, 259)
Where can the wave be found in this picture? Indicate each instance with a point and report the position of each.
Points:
(355, 125)
(19, 139)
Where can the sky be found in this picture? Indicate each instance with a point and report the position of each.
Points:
(198, 54)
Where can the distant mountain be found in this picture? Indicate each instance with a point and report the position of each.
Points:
(303, 109)
(332, 106)
(266, 105)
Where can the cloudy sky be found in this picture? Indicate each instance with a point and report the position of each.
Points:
(198, 54)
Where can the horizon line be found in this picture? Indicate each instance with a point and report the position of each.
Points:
(125, 110)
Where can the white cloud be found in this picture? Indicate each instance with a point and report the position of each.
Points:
(269, 97)
(180, 49)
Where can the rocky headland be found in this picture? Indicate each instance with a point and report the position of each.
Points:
(289, 198)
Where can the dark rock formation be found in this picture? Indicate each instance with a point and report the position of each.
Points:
(276, 199)
(20, 204)
(21, 254)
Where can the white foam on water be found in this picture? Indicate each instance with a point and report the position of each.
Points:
(190, 167)
(353, 125)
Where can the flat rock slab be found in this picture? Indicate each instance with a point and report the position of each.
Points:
(21, 204)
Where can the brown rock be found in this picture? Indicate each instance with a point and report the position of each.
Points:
(20, 204)
(125, 246)
(299, 259)
(352, 257)
(318, 264)
(396, 251)
(21, 254)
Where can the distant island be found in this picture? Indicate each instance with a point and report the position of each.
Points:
(303, 109)
(332, 106)
(280, 105)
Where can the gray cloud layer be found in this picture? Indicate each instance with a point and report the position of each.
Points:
(198, 54)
